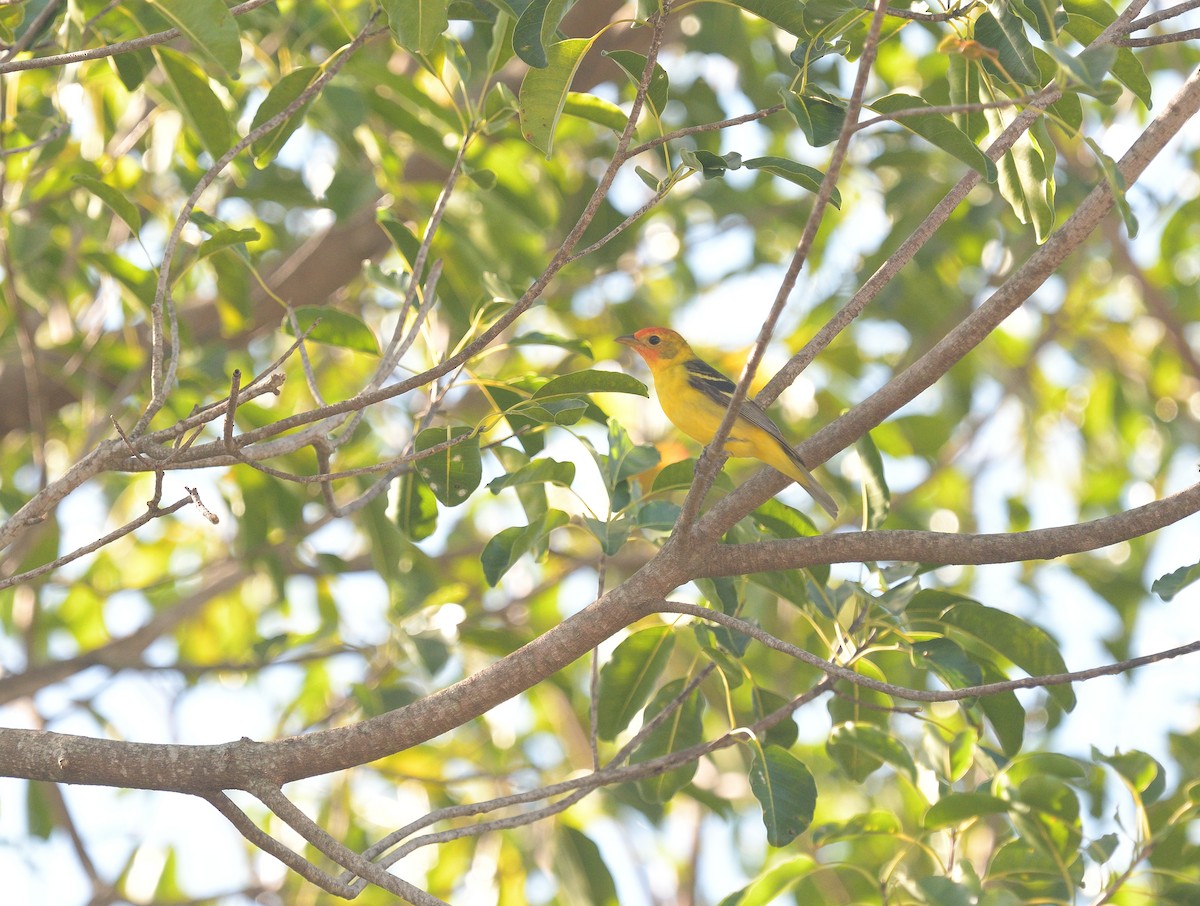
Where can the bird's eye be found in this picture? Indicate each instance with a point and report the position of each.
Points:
(654, 339)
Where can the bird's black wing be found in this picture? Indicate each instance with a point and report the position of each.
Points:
(718, 388)
(703, 377)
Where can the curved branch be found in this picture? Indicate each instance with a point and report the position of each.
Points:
(946, 548)
(202, 769)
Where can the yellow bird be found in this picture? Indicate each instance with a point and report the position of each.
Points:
(695, 396)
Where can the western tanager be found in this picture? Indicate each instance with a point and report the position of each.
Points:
(695, 396)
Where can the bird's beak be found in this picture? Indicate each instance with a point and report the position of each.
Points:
(628, 340)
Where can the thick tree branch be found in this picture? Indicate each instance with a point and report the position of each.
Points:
(946, 548)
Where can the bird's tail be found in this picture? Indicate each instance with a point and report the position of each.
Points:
(798, 471)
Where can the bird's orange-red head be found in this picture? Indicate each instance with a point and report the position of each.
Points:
(657, 345)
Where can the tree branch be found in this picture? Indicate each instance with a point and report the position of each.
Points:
(943, 547)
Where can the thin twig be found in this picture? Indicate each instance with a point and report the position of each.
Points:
(1175, 37)
(1162, 15)
(231, 405)
(837, 671)
(50, 136)
(111, 50)
(151, 514)
(268, 844)
(272, 797)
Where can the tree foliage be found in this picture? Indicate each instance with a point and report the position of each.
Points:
(329, 501)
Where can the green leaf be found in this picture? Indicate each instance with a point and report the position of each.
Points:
(1005, 34)
(1116, 185)
(140, 283)
(803, 176)
(537, 338)
(1168, 586)
(1005, 713)
(282, 93)
(658, 515)
(773, 883)
(197, 101)
(539, 471)
(579, 383)
(634, 64)
(787, 14)
(651, 181)
(403, 239)
(39, 811)
(963, 76)
(877, 499)
(1143, 773)
(11, 15)
(947, 661)
(629, 677)
(785, 789)
(819, 118)
(114, 198)
(416, 508)
(1029, 647)
(228, 238)
(454, 473)
(681, 729)
(1085, 20)
(782, 521)
(959, 808)
(710, 164)
(785, 733)
(820, 16)
(536, 27)
(1088, 68)
(417, 24)
(505, 549)
(1046, 16)
(938, 131)
(860, 749)
(612, 534)
(544, 92)
(1023, 179)
(532, 495)
(210, 28)
(595, 110)
(679, 474)
(582, 874)
(555, 411)
(337, 328)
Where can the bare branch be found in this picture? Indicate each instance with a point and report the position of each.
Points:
(272, 797)
(1175, 37)
(945, 547)
(153, 511)
(97, 53)
(1162, 15)
(268, 844)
